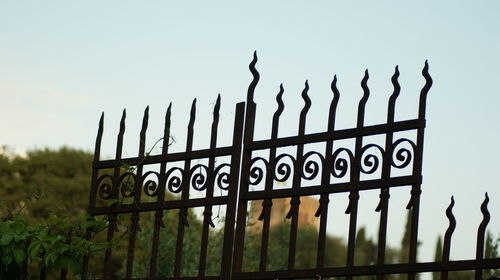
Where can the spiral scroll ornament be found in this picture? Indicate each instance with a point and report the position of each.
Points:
(222, 177)
(174, 179)
(341, 158)
(283, 169)
(198, 176)
(369, 161)
(127, 184)
(105, 186)
(310, 167)
(151, 187)
(257, 172)
(401, 156)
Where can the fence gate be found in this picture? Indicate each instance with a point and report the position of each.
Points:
(127, 191)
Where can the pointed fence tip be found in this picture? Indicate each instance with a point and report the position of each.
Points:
(254, 58)
(365, 77)
(254, 61)
(217, 104)
(305, 90)
(426, 66)
(395, 76)
(282, 89)
(169, 105)
(193, 109)
(101, 122)
(334, 88)
(452, 201)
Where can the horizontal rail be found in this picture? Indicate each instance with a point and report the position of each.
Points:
(205, 153)
(336, 135)
(333, 188)
(152, 206)
(372, 269)
(173, 278)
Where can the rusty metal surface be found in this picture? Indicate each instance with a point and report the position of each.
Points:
(334, 170)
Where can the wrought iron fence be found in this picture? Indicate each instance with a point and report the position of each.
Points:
(337, 169)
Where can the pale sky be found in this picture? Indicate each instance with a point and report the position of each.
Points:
(62, 63)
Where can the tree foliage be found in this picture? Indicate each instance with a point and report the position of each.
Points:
(56, 182)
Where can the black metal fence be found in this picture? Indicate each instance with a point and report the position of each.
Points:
(122, 186)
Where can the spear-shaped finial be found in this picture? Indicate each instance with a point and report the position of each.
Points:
(305, 109)
(256, 76)
(394, 96)
(364, 99)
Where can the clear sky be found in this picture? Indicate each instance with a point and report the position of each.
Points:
(62, 63)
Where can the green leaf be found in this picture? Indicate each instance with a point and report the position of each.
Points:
(6, 259)
(50, 259)
(19, 255)
(6, 238)
(34, 249)
(20, 236)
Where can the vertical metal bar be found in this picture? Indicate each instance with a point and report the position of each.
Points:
(480, 235)
(249, 123)
(93, 189)
(43, 273)
(265, 216)
(447, 237)
(134, 227)
(183, 212)
(324, 200)
(116, 185)
(207, 216)
(227, 246)
(416, 190)
(383, 206)
(63, 274)
(158, 224)
(134, 221)
(352, 209)
(297, 176)
(95, 171)
(24, 270)
(239, 243)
